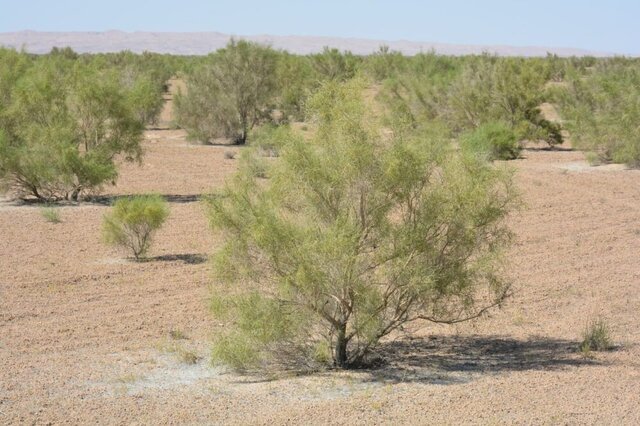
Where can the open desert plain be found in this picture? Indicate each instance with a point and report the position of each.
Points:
(88, 336)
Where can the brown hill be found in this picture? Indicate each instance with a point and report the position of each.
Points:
(200, 43)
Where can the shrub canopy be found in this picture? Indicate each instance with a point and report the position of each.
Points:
(352, 235)
(229, 94)
(133, 220)
(63, 124)
(602, 111)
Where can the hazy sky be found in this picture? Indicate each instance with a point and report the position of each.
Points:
(603, 25)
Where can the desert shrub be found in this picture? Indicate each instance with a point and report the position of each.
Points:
(265, 139)
(596, 336)
(420, 92)
(332, 64)
(145, 98)
(63, 126)
(602, 112)
(493, 141)
(468, 92)
(354, 234)
(50, 214)
(296, 79)
(384, 63)
(229, 94)
(503, 89)
(132, 222)
(229, 155)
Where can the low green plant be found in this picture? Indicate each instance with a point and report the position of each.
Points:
(51, 214)
(493, 140)
(176, 334)
(188, 357)
(596, 337)
(132, 222)
(177, 349)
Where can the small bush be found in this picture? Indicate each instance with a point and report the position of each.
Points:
(132, 222)
(176, 334)
(596, 337)
(51, 214)
(494, 140)
(229, 155)
(188, 357)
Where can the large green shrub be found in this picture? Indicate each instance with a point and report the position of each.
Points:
(471, 91)
(502, 89)
(132, 222)
(354, 234)
(229, 94)
(296, 79)
(64, 124)
(332, 64)
(492, 141)
(602, 111)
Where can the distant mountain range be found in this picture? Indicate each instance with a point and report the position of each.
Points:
(201, 43)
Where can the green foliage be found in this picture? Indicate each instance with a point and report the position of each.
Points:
(132, 222)
(469, 92)
(145, 98)
(555, 68)
(296, 78)
(63, 125)
(602, 111)
(420, 93)
(51, 214)
(229, 94)
(596, 337)
(384, 63)
(354, 234)
(493, 89)
(492, 141)
(332, 64)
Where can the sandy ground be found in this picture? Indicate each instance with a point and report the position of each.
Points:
(89, 337)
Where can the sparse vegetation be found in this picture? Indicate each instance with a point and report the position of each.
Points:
(335, 246)
(176, 334)
(51, 214)
(132, 222)
(179, 349)
(596, 337)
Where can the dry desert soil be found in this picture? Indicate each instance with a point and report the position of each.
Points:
(89, 337)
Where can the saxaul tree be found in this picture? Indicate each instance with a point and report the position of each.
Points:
(229, 94)
(62, 127)
(348, 236)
